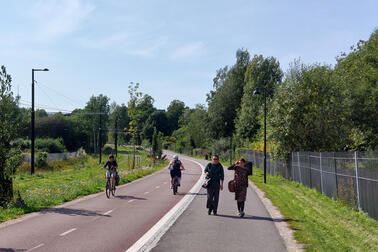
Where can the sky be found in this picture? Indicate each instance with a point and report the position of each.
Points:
(172, 48)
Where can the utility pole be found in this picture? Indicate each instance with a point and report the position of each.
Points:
(116, 137)
(100, 133)
(33, 122)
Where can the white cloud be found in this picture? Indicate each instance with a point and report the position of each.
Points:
(57, 18)
(189, 50)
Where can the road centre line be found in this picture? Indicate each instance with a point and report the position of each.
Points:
(146, 193)
(38, 246)
(68, 231)
(157, 187)
(108, 212)
(130, 201)
(165, 183)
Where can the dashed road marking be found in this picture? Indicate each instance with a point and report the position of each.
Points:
(108, 212)
(38, 246)
(146, 193)
(165, 183)
(157, 187)
(130, 201)
(68, 231)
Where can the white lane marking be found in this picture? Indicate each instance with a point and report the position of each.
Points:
(157, 187)
(38, 246)
(108, 212)
(146, 193)
(68, 231)
(150, 239)
(165, 183)
(130, 201)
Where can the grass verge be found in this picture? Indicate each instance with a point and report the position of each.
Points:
(67, 180)
(321, 223)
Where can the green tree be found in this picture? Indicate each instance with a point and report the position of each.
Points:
(174, 111)
(264, 74)
(119, 116)
(358, 72)
(156, 144)
(9, 123)
(308, 112)
(158, 120)
(225, 100)
(40, 113)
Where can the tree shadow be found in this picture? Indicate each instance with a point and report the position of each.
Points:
(11, 250)
(71, 211)
(251, 217)
(129, 197)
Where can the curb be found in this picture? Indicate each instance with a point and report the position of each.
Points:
(285, 232)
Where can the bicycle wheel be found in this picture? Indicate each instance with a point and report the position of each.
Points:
(175, 185)
(107, 190)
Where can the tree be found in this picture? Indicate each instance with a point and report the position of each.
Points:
(119, 115)
(158, 120)
(308, 112)
(174, 111)
(40, 113)
(225, 101)
(9, 123)
(358, 72)
(156, 144)
(262, 73)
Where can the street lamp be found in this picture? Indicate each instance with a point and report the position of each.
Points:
(33, 119)
(257, 92)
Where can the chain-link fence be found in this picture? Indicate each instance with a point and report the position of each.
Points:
(349, 176)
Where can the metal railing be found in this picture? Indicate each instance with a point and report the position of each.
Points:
(351, 177)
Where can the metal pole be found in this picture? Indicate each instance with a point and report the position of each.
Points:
(321, 173)
(32, 127)
(230, 150)
(100, 136)
(116, 137)
(299, 169)
(264, 136)
(357, 183)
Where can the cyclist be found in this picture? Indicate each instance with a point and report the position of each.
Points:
(111, 166)
(175, 167)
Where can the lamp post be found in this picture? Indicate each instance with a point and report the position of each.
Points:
(33, 120)
(257, 92)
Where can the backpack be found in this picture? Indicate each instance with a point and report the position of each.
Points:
(249, 167)
(177, 164)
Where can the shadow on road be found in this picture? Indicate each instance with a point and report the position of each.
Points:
(71, 211)
(247, 217)
(129, 197)
(11, 250)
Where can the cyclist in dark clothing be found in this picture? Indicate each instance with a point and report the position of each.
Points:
(175, 167)
(111, 167)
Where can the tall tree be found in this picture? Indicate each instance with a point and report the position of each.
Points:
(264, 74)
(9, 123)
(174, 111)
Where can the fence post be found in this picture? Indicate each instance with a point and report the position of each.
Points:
(321, 173)
(309, 162)
(299, 169)
(292, 165)
(337, 184)
(357, 183)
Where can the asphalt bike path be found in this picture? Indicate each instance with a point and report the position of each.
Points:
(98, 223)
(195, 230)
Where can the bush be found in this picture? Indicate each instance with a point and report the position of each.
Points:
(41, 160)
(22, 143)
(50, 145)
(108, 150)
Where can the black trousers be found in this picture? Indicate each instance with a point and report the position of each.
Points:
(213, 197)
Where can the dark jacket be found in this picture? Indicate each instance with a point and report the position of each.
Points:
(216, 173)
(241, 182)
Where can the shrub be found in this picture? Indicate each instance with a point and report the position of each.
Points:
(108, 150)
(41, 160)
(22, 143)
(50, 145)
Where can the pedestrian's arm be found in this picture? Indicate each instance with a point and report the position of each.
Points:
(232, 167)
(221, 177)
(207, 170)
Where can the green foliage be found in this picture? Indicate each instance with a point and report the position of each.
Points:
(108, 150)
(50, 145)
(41, 159)
(40, 113)
(264, 74)
(157, 146)
(307, 113)
(158, 120)
(21, 143)
(10, 118)
(225, 100)
(174, 112)
(119, 122)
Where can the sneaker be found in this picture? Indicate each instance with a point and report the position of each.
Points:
(215, 212)
(209, 212)
(171, 186)
(241, 214)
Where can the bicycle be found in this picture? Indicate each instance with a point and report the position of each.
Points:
(110, 188)
(175, 185)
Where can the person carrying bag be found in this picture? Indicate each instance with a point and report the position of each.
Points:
(239, 184)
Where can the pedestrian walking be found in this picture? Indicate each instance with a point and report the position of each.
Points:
(241, 184)
(214, 171)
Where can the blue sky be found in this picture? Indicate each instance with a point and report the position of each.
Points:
(172, 48)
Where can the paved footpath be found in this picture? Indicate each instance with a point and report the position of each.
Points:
(195, 230)
(98, 223)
